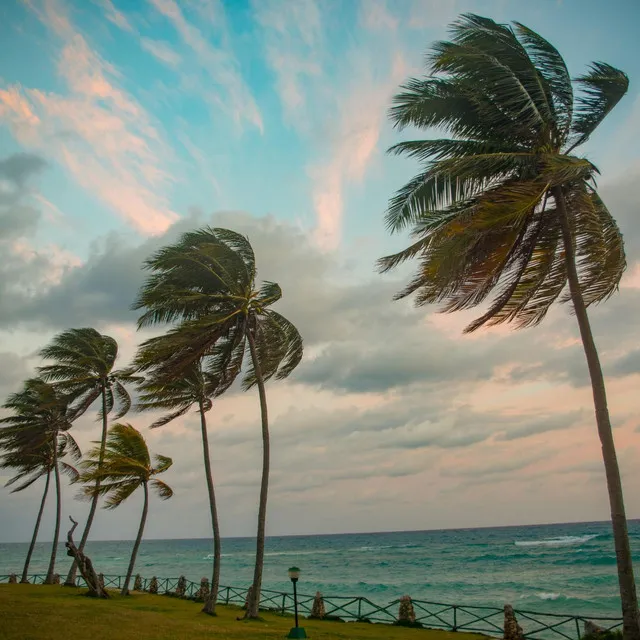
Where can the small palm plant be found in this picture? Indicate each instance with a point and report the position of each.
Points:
(83, 366)
(124, 467)
(34, 438)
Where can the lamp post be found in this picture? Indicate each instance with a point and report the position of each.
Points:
(296, 632)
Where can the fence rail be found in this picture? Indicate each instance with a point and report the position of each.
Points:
(434, 615)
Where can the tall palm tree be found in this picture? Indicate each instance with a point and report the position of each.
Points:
(505, 206)
(207, 282)
(124, 466)
(83, 367)
(195, 386)
(35, 437)
(31, 466)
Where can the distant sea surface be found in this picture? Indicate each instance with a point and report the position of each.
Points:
(565, 568)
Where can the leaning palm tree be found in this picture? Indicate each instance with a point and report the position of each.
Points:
(194, 386)
(31, 466)
(505, 206)
(207, 283)
(124, 466)
(35, 437)
(83, 367)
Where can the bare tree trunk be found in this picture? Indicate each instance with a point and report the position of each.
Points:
(56, 534)
(25, 570)
(631, 621)
(136, 546)
(91, 578)
(71, 576)
(210, 602)
(254, 602)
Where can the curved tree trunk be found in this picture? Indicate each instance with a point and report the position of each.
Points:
(631, 621)
(56, 533)
(210, 603)
(71, 576)
(254, 602)
(25, 570)
(136, 546)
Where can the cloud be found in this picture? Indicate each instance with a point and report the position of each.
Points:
(354, 143)
(293, 41)
(17, 216)
(218, 63)
(432, 13)
(628, 364)
(375, 15)
(100, 134)
(114, 15)
(162, 51)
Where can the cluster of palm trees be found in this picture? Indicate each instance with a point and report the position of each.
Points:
(503, 213)
(222, 329)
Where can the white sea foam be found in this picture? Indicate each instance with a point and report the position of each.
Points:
(376, 548)
(560, 541)
(548, 596)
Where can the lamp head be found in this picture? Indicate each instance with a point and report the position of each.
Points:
(294, 574)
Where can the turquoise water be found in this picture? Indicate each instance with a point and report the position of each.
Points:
(555, 568)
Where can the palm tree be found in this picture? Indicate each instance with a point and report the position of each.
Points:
(35, 438)
(505, 206)
(207, 283)
(83, 367)
(121, 468)
(195, 386)
(31, 465)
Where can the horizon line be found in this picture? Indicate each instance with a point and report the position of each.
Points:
(357, 533)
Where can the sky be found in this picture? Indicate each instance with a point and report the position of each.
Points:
(124, 123)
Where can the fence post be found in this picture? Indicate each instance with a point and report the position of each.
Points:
(284, 601)
(455, 619)
(577, 629)
(359, 608)
(228, 595)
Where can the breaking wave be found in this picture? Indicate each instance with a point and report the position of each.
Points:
(560, 541)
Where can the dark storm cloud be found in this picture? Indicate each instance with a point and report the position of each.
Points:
(358, 340)
(17, 218)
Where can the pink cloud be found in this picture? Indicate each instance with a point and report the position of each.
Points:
(361, 118)
(101, 134)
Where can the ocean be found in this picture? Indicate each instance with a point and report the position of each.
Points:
(563, 568)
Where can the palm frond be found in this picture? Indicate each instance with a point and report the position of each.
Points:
(163, 490)
(602, 88)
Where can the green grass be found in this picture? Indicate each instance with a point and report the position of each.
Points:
(38, 612)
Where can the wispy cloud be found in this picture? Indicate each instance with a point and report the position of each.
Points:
(161, 50)
(375, 15)
(99, 132)
(114, 15)
(220, 65)
(432, 13)
(359, 124)
(293, 47)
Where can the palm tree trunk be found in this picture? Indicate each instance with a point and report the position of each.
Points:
(56, 533)
(210, 603)
(631, 621)
(25, 571)
(254, 604)
(136, 546)
(71, 576)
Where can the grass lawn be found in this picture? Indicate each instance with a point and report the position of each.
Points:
(38, 612)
